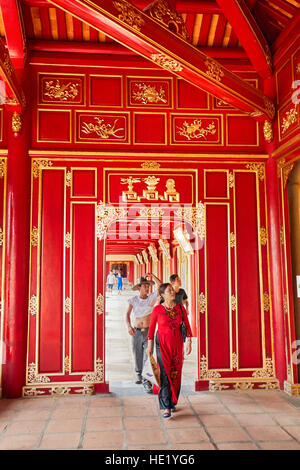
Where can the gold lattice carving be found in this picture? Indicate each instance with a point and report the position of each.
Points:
(205, 373)
(100, 305)
(69, 178)
(67, 365)
(67, 305)
(129, 15)
(268, 131)
(266, 302)
(282, 236)
(3, 166)
(61, 92)
(16, 122)
(231, 180)
(263, 236)
(202, 303)
(1, 236)
(234, 360)
(194, 130)
(268, 371)
(243, 386)
(289, 119)
(232, 240)
(34, 237)
(33, 305)
(68, 240)
(166, 62)
(38, 165)
(150, 165)
(60, 390)
(233, 302)
(270, 107)
(97, 376)
(34, 377)
(259, 168)
(106, 215)
(285, 303)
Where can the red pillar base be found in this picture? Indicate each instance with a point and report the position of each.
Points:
(201, 385)
(102, 388)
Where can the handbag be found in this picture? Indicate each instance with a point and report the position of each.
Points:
(182, 326)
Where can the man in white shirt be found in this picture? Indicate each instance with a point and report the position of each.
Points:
(110, 281)
(141, 306)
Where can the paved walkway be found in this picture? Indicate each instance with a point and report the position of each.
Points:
(128, 419)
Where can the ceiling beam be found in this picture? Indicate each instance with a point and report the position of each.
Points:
(14, 31)
(11, 92)
(249, 34)
(150, 38)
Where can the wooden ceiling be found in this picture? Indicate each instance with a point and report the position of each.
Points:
(205, 22)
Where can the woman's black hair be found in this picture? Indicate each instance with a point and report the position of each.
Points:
(173, 277)
(162, 289)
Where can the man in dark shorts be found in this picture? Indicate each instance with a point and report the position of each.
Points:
(180, 294)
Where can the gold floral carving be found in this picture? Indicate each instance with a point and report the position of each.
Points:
(129, 15)
(61, 92)
(259, 168)
(34, 237)
(166, 62)
(232, 240)
(263, 236)
(149, 94)
(269, 385)
(194, 130)
(234, 360)
(32, 392)
(100, 305)
(3, 166)
(243, 386)
(68, 240)
(266, 302)
(39, 165)
(268, 371)
(282, 238)
(33, 305)
(202, 303)
(34, 377)
(285, 303)
(214, 70)
(106, 215)
(97, 376)
(233, 302)
(103, 130)
(67, 306)
(196, 217)
(280, 165)
(16, 122)
(268, 131)
(67, 365)
(1, 236)
(205, 373)
(289, 119)
(60, 390)
(270, 107)
(69, 178)
(150, 165)
(286, 171)
(217, 386)
(85, 390)
(231, 180)
(162, 12)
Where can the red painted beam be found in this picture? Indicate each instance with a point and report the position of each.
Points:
(13, 25)
(149, 38)
(249, 34)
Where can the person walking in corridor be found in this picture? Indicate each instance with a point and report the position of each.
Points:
(141, 306)
(169, 342)
(180, 294)
(120, 282)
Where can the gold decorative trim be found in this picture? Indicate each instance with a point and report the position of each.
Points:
(270, 107)
(268, 131)
(202, 303)
(280, 165)
(233, 303)
(243, 386)
(196, 217)
(292, 389)
(214, 70)
(270, 386)
(162, 12)
(266, 302)
(3, 167)
(285, 304)
(259, 168)
(67, 305)
(61, 92)
(97, 376)
(16, 122)
(34, 236)
(33, 305)
(282, 235)
(69, 178)
(234, 360)
(34, 377)
(67, 365)
(231, 180)
(129, 15)
(193, 130)
(106, 215)
(267, 372)
(263, 236)
(100, 305)
(32, 392)
(286, 173)
(60, 390)
(217, 386)
(38, 165)
(232, 240)
(68, 240)
(205, 373)
(1, 236)
(149, 94)
(166, 62)
(150, 165)
(289, 119)
(103, 130)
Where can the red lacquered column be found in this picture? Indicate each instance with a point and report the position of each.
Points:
(275, 270)
(17, 255)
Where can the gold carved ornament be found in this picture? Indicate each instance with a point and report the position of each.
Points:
(194, 130)
(103, 130)
(259, 168)
(60, 92)
(150, 194)
(67, 305)
(289, 119)
(106, 215)
(34, 377)
(205, 373)
(267, 372)
(38, 165)
(266, 302)
(100, 304)
(214, 70)
(263, 236)
(68, 179)
(166, 62)
(270, 107)
(150, 165)
(97, 376)
(67, 365)
(68, 240)
(286, 171)
(162, 12)
(268, 131)
(34, 236)
(3, 167)
(202, 303)
(149, 94)
(129, 15)
(1, 237)
(33, 305)
(232, 239)
(195, 216)
(16, 123)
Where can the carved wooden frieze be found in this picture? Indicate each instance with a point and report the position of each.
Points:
(102, 127)
(67, 89)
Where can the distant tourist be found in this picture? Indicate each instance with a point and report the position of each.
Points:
(110, 281)
(120, 282)
(180, 294)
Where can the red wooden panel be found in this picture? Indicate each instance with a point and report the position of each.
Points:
(242, 130)
(84, 183)
(190, 97)
(52, 272)
(284, 79)
(83, 287)
(248, 279)
(216, 185)
(218, 324)
(54, 126)
(106, 91)
(150, 128)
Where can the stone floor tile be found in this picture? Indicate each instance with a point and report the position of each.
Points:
(143, 422)
(145, 436)
(217, 420)
(294, 431)
(25, 427)
(245, 408)
(112, 423)
(60, 441)
(237, 446)
(104, 411)
(187, 435)
(268, 433)
(19, 442)
(22, 415)
(286, 419)
(210, 409)
(153, 447)
(180, 420)
(105, 440)
(64, 425)
(104, 401)
(280, 445)
(227, 434)
(194, 446)
(65, 413)
(147, 410)
(256, 419)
